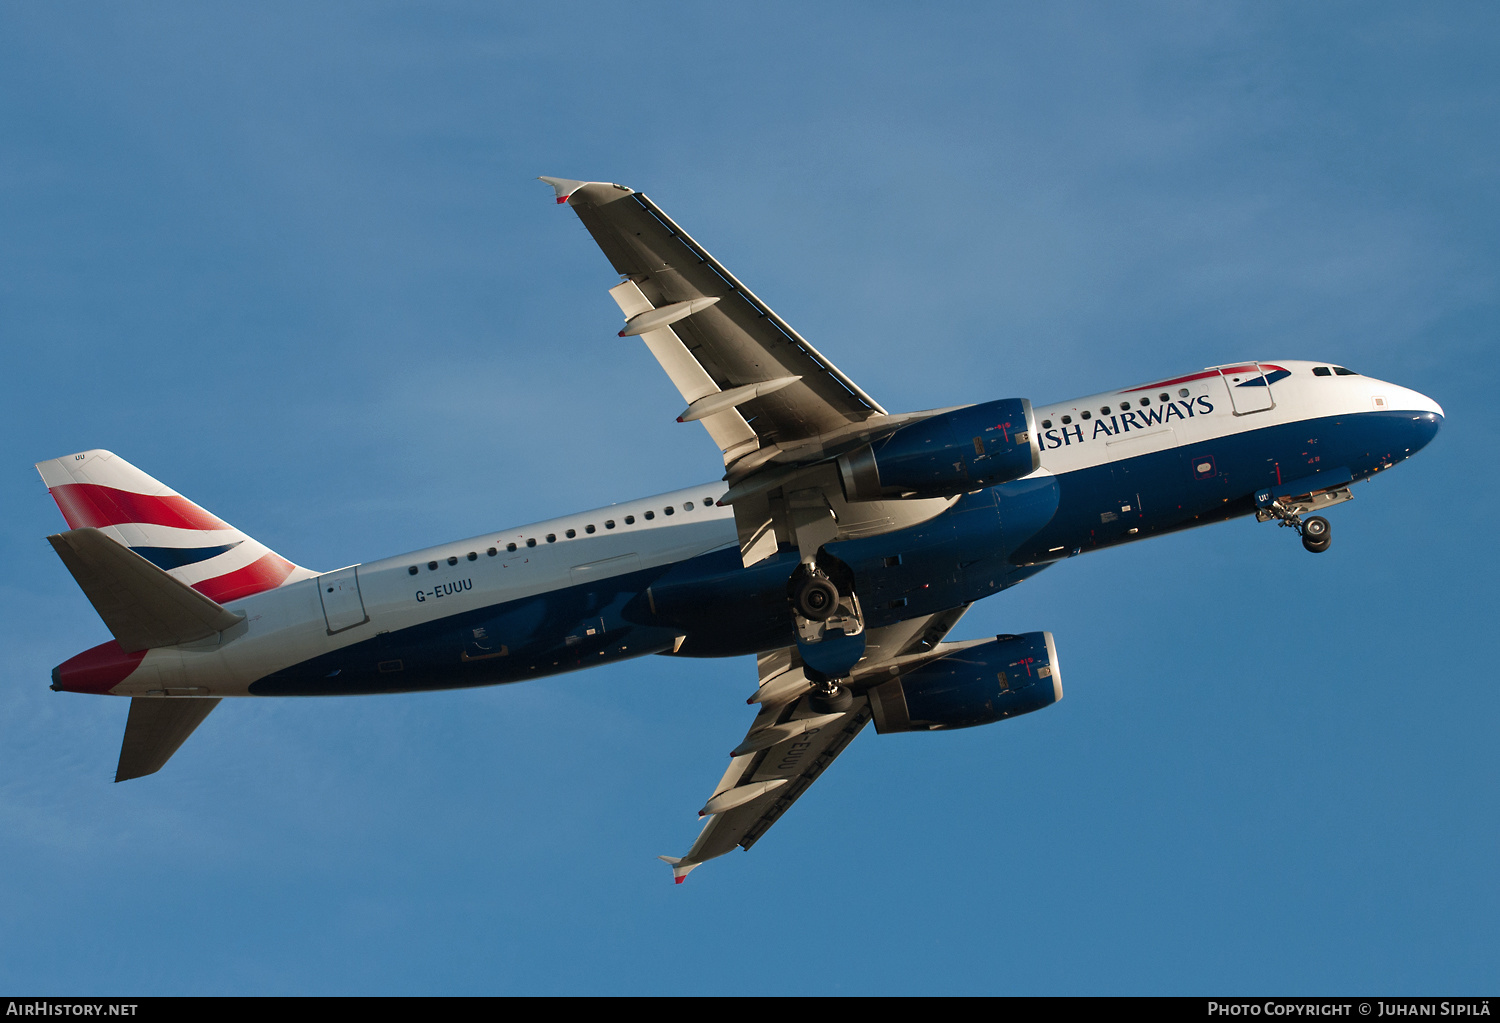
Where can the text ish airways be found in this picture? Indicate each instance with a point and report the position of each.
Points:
(1124, 422)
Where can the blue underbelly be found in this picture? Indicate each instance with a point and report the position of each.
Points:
(712, 606)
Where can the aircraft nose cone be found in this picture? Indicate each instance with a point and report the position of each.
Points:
(1423, 418)
(1426, 404)
(1424, 427)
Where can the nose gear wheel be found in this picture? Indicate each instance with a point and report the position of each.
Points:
(1316, 532)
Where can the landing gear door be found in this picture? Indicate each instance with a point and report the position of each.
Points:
(1249, 388)
(343, 607)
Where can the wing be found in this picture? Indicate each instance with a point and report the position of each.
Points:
(751, 379)
(779, 411)
(795, 737)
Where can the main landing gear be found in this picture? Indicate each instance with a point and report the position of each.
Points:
(817, 598)
(1315, 531)
(829, 626)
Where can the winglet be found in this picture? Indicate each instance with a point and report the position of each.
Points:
(563, 187)
(566, 188)
(679, 870)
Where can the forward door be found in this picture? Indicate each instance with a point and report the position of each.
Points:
(1249, 388)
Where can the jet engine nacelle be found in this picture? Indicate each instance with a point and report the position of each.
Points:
(974, 685)
(947, 454)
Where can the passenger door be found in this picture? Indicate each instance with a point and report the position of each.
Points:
(1249, 388)
(343, 607)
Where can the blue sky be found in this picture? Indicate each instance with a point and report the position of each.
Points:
(291, 259)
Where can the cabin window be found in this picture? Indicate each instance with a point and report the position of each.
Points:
(491, 552)
(589, 528)
(1124, 406)
(1182, 392)
(453, 561)
(1046, 424)
(650, 514)
(1322, 371)
(473, 556)
(708, 502)
(510, 547)
(1085, 414)
(412, 570)
(667, 510)
(531, 541)
(1066, 420)
(630, 520)
(432, 566)
(571, 533)
(1341, 371)
(1164, 396)
(687, 506)
(1144, 402)
(1104, 411)
(552, 538)
(609, 523)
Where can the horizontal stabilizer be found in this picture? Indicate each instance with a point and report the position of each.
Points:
(157, 726)
(142, 605)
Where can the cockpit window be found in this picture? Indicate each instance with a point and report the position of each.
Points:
(1322, 371)
(1341, 371)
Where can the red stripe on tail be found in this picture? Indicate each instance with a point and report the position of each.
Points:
(257, 577)
(88, 504)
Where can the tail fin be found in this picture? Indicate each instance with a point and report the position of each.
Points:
(102, 490)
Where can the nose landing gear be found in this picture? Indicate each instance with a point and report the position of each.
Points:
(1288, 507)
(1316, 535)
(1315, 531)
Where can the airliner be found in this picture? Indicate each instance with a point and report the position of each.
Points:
(839, 547)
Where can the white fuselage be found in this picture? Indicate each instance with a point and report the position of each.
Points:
(294, 623)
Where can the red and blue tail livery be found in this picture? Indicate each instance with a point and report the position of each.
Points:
(100, 490)
(840, 544)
